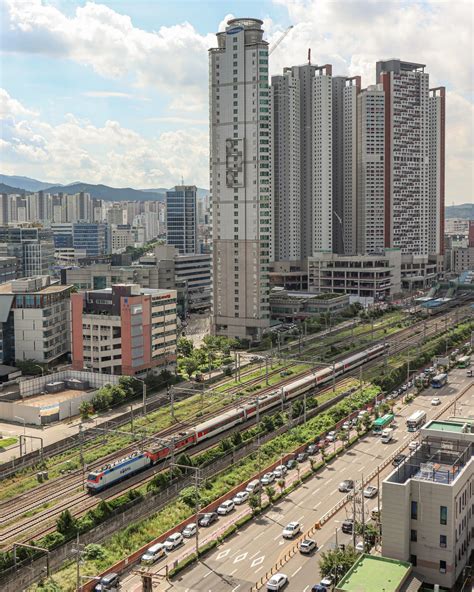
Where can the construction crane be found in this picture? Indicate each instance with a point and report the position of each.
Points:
(280, 39)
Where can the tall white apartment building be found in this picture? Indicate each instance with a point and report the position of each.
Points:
(240, 179)
(302, 175)
(437, 114)
(370, 214)
(407, 155)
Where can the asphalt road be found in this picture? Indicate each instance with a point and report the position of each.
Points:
(254, 550)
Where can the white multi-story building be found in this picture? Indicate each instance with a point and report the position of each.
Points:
(370, 214)
(437, 114)
(122, 236)
(240, 171)
(427, 513)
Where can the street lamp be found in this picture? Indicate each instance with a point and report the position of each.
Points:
(24, 423)
(144, 393)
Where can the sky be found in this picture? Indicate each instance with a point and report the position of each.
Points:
(116, 92)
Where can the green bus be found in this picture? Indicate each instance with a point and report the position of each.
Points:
(382, 422)
(464, 362)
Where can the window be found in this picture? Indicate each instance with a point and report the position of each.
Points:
(442, 566)
(443, 515)
(414, 510)
(413, 536)
(443, 541)
(413, 560)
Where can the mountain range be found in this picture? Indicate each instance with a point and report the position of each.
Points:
(15, 184)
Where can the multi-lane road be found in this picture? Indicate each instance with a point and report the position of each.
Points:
(246, 557)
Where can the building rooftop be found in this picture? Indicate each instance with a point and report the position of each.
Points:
(464, 426)
(54, 289)
(374, 574)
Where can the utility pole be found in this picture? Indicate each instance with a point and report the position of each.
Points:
(81, 453)
(266, 370)
(258, 450)
(354, 516)
(144, 398)
(171, 398)
(304, 407)
(78, 553)
(131, 419)
(334, 376)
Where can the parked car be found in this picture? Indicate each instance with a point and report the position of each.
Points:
(347, 485)
(319, 588)
(280, 471)
(360, 547)
(291, 530)
(323, 443)
(398, 459)
(308, 546)
(277, 582)
(108, 582)
(241, 497)
(153, 553)
(173, 541)
(331, 437)
(189, 530)
(301, 457)
(435, 401)
(414, 444)
(225, 508)
(354, 422)
(370, 491)
(312, 449)
(267, 479)
(327, 581)
(208, 519)
(347, 526)
(290, 464)
(346, 425)
(253, 486)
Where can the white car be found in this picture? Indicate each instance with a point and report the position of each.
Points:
(360, 547)
(370, 491)
(291, 530)
(346, 425)
(331, 436)
(189, 530)
(277, 582)
(280, 471)
(267, 479)
(173, 541)
(225, 508)
(240, 498)
(414, 445)
(327, 581)
(436, 401)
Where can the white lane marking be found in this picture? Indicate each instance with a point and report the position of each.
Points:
(277, 537)
(319, 548)
(236, 588)
(300, 519)
(207, 574)
(241, 557)
(361, 469)
(306, 589)
(328, 481)
(334, 491)
(258, 569)
(294, 573)
(316, 491)
(318, 504)
(259, 535)
(281, 543)
(255, 554)
(231, 574)
(257, 561)
(223, 554)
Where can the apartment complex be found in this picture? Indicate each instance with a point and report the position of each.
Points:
(181, 219)
(124, 329)
(427, 516)
(33, 248)
(240, 179)
(302, 161)
(34, 320)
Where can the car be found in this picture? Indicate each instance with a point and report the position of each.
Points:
(301, 457)
(253, 486)
(370, 491)
(346, 425)
(291, 530)
(267, 479)
(308, 546)
(241, 497)
(360, 547)
(347, 526)
(414, 444)
(469, 373)
(226, 507)
(362, 414)
(277, 582)
(354, 422)
(153, 553)
(398, 459)
(347, 485)
(108, 582)
(323, 443)
(319, 588)
(435, 401)
(208, 518)
(290, 464)
(331, 437)
(280, 471)
(189, 530)
(404, 387)
(312, 449)
(327, 581)
(173, 541)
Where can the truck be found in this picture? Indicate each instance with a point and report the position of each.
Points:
(387, 435)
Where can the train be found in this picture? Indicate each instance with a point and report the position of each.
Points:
(137, 461)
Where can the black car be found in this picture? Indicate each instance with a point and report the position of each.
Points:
(398, 459)
(347, 526)
(208, 519)
(301, 457)
(312, 449)
(290, 464)
(108, 582)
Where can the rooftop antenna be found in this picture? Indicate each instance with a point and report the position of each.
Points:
(309, 56)
(182, 181)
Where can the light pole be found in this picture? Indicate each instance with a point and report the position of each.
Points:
(197, 500)
(144, 393)
(24, 432)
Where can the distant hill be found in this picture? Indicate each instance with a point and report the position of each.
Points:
(465, 211)
(9, 190)
(25, 183)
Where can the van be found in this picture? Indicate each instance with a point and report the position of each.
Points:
(253, 486)
(387, 435)
(153, 553)
(108, 582)
(469, 373)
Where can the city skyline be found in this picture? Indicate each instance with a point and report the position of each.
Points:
(135, 112)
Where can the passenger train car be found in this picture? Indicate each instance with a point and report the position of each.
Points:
(123, 468)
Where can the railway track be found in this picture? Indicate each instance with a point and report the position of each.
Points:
(79, 502)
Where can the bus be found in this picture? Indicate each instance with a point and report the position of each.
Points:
(439, 380)
(382, 422)
(464, 361)
(416, 420)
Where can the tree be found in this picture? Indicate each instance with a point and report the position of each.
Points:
(337, 562)
(267, 423)
(185, 347)
(270, 491)
(236, 439)
(281, 484)
(131, 386)
(159, 481)
(367, 421)
(369, 530)
(66, 524)
(344, 437)
(297, 409)
(185, 459)
(254, 502)
(85, 409)
(188, 496)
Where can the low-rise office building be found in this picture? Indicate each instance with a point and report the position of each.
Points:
(125, 329)
(34, 320)
(291, 306)
(427, 513)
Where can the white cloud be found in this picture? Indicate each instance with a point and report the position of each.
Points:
(10, 107)
(105, 94)
(75, 149)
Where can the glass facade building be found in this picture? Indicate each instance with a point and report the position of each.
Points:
(181, 219)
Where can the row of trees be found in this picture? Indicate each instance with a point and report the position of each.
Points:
(214, 353)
